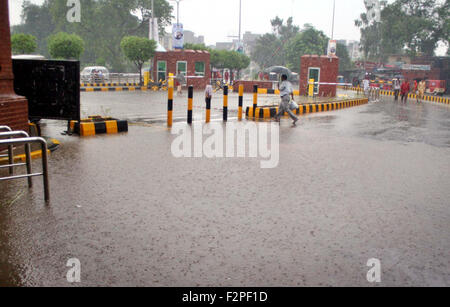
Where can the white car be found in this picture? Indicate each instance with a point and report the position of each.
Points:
(95, 74)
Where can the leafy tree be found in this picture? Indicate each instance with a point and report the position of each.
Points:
(308, 41)
(37, 21)
(345, 63)
(268, 51)
(65, 46)
(414, 26)
(103, 25)
(189, 46)
(138, 50)
(23, 43)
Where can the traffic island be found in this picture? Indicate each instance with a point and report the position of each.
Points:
(95, 125)
(267, 112)
(429, 98)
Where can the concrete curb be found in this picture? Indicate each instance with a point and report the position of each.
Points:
(113, 89)
(107, 84)
(270, 112)
(410, 96)
(92, 126)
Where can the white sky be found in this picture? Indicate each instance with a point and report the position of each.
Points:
(218, 19)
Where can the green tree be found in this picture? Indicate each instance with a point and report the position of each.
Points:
(105, 23)
(189, 46)
(23, 43)
(413, 26)
(138, 50)
(345, 63)
(65, 46)
(268, 51)
(308, 41)
(37, 21)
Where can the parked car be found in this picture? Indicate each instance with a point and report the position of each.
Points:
(95, 74)
(28, 57)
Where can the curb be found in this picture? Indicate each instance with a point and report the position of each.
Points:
(34, 154)
(272, 91)
(410, 96)
(107, 84)
(94, 126)
(113, 89)
(270, 112)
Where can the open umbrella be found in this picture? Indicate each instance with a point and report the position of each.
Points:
(279, 70)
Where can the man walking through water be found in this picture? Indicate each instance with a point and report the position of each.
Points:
(286, 94)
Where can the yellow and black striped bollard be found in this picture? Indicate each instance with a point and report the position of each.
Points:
(255, 99)
(190, 104)
(225, 103)
(208, 109)
(241, 101)
(170, 106)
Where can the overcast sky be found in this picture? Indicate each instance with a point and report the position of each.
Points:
(219, 19)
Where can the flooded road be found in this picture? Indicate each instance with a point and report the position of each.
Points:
(354, 184)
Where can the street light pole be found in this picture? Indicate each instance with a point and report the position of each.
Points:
(240, 19)
(334, 11)
(152, 35)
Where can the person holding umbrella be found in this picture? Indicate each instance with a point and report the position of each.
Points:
(286, 93)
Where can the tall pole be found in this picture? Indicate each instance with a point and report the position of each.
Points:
(178, 12)
(240, 19)
(152, 35)
(334, 11)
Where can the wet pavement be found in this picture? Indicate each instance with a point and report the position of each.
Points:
(354, 184)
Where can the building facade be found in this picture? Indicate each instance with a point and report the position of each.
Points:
(194, 65)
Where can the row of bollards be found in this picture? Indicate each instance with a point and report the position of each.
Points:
(208, 104)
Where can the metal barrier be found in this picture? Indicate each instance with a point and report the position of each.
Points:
(26, 141)
(10, 154)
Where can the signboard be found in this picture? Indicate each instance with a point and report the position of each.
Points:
(332, 48)
(416, 67)
(240, 47)
(178, 36)
(51, 87)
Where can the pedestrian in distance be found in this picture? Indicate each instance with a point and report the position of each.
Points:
(366, 87)
(421, 90)
(396, 85)
(286, 94)
(405, 88)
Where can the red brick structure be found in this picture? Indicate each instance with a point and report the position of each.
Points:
(328, 70)
(13, 108)
(248, 85)
(191, 63)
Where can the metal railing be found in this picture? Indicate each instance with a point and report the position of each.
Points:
(25, 140)
(10, 154)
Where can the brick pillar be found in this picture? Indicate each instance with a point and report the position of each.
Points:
(13, 108)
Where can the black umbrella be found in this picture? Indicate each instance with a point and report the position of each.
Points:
(279, 70)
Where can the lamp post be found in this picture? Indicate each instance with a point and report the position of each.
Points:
(334, 11)
(240, 19)
(178, 10)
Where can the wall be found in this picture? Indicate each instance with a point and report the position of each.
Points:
(13, 108)
(190, 56)
(329, 69)
(248, 85)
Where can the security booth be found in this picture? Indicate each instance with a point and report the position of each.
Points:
(194, 65)
(323, 70)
